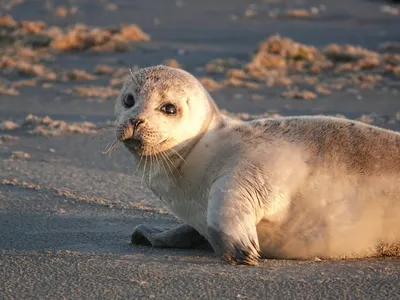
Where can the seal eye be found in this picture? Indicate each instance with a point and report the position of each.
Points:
(169, 109)
(129, 101)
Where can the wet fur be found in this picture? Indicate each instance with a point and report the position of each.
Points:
(295, 187)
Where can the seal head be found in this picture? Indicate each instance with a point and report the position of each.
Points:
(162, 108)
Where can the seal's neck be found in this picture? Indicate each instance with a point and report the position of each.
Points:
(213, 121)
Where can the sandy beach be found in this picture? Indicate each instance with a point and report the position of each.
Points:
(67, 210)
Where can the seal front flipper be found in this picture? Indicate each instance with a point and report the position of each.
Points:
(182, 236)
(231, 224)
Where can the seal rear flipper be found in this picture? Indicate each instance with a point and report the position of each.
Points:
(182, 236)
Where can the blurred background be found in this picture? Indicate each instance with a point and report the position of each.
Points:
(69, 58)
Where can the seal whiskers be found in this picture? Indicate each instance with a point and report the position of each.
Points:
(110, 147)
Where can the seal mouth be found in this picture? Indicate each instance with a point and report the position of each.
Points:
(137, 147)
(133, 144)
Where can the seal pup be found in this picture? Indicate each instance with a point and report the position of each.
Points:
(290, 187)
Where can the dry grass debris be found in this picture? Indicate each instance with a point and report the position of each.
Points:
(280, 61)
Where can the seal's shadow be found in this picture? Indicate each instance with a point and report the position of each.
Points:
(82, 234)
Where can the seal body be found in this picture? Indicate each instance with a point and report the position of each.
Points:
(292, 187)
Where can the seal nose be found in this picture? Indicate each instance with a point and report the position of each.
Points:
(136, 122)
(135, 125)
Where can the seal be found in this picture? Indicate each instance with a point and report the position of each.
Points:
(289, 187)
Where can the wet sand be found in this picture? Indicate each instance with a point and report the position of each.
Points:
(67, 210)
